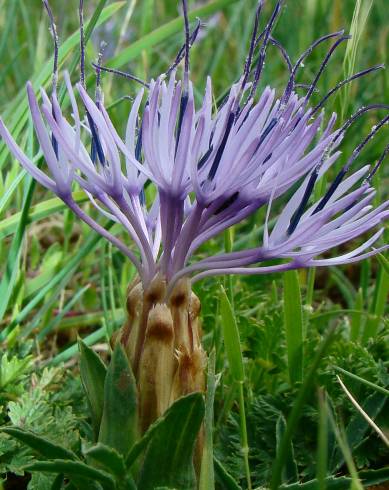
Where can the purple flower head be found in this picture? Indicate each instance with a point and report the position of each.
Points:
(211, 168)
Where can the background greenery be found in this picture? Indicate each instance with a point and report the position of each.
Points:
(58, 280)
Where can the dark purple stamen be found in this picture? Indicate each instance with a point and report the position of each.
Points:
(345, 82)
(323, 65)
(300, 210)
(204, 158)
(334, 185)
(377, 165)
(96, 148)
(227, 203)
(181, 52)
(338, 179)
(352, 119)
(262, 54)
(123, 74)
(138, 146)
(263, 136)
(249, 59)
(267, 158)
(82, 42)
(103, 45)
(284, 53)
(53, 29)
(187, 45)
(305, 54)
(278, 45)
(183, 105)
(220, 150)
(185, 91)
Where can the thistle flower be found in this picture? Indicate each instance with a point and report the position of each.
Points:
(211, 168)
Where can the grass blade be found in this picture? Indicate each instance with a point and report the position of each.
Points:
(294, 328)
(296, 411)
(68, 269)
(207, 476)
(363, 413)
(375, 387)
(356, 319)
(378, 305)
(164, 32)
(17, 110)
(38, 212)
(235, 361)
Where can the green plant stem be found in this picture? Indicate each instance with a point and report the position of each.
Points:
(322, 443)
(375, 387)
(310, 285)
(297, 410)
(243, 435)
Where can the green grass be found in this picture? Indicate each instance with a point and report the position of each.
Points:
(58, 280)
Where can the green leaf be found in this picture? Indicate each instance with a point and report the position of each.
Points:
(13, 257)
(378, 306)
(384, 262)
(290, 472)
(358, 426)
(71, 351)
(226, 480)
(231, 338)
(93, 373)
(73, 469)
(374, 477)
(331, 482)
(58, 482)
(6, 196)
(293, 319)
(363, 381)
(111, 461)
(356, 318)
(296, 411)
(12, 369)
(108, 457)
(39, 444)
(169, 455)
(368, 478)
(119, 422)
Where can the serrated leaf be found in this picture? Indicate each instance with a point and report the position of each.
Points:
(290, 472)
(172, 446)
(75, 469)
(107, 457)
(226, 480)
(93, 373)
(368, 478)
(331, 483)
(119, 421)
(39, 444)
(358, 426)
(11, 369)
